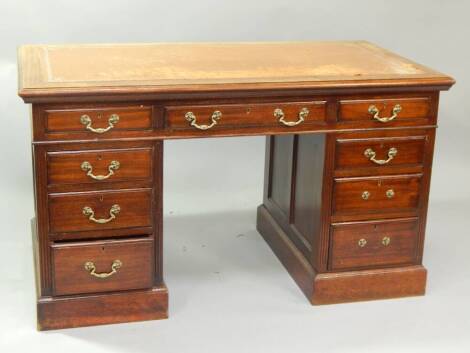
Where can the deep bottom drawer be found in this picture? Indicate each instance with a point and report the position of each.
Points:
(102, 266)
(372, 244)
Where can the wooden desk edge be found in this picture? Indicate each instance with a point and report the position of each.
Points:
(129, 93)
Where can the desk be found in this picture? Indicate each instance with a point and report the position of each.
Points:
(350, 136)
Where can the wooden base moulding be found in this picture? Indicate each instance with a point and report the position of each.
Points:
(55, 313)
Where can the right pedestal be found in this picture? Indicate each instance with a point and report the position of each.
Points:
(346, 213)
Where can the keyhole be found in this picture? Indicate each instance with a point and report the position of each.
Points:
(99, 116)
(102, 248)
(101, 198)
(248, 110)
(100, 157)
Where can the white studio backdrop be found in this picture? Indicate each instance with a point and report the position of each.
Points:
(214, 185)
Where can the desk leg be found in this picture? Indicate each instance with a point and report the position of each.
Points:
(294, 219)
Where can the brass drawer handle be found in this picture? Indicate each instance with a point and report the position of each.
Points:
(87, 167)
(86, 120)
(362, 242)
(365, 195)
(386, 241)
(189, 116)
(375, 111)
(115, 266)
(370, 154)
(390, 193)
(114, 210)
(279, 114)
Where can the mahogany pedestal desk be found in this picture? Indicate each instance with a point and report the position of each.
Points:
(350, 135)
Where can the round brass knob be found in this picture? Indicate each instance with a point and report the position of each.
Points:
(362, 242)
(386, 241)
(365, 195)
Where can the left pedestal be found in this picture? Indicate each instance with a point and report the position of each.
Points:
(98, 225)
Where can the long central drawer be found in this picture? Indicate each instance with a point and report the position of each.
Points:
(216, 116)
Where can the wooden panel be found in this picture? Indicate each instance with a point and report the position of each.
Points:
(66, 210)
(41, 220)
(292, 259)
(412, 109)
(130, 118)
(281, 172)
(348, 194)
(66, 167)
(350, 153)
(242, 115)
(372, 244)
(71, 276)
(308, 188)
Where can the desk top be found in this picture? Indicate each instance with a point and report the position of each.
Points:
(58, 70)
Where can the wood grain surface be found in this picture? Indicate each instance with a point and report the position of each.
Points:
(71, 277)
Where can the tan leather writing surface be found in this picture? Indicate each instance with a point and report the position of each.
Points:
(199, 66)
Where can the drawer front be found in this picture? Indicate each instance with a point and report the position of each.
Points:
(376, 195)
(73, 212)
(379, 154)
(373, 244)
(102, 266)
(98, 122)
(245, 115)
(99, 166)
(386, 112)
